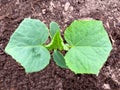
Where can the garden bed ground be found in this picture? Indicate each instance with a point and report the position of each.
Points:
(13, 76)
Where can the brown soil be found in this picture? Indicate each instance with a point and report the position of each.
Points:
(13, 76)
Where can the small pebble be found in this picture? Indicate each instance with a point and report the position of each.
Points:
(67, 5)
(106, 86)
(43, 11)
(71, 8)
(17, 2)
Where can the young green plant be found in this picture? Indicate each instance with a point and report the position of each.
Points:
(87, 48)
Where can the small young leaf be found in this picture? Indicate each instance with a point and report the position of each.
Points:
(25, 45)
(59, 59)
(90, 46)
(54, 27)
(56, 43)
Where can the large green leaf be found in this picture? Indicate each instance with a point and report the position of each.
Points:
(25, 45)
(90, 46)
(59, 59)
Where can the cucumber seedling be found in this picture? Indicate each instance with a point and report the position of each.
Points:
(87, 48)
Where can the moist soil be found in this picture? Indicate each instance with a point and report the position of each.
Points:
(12, 74)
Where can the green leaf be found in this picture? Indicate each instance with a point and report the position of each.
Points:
(56, 43)
(25, 45)
(59, 59)
(90, 46)
(54, 27)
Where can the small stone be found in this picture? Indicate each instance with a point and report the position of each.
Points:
(67, 5)
(43, 11)
(106, 86)
(17, 2)
(52, 6)
(71, 8)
